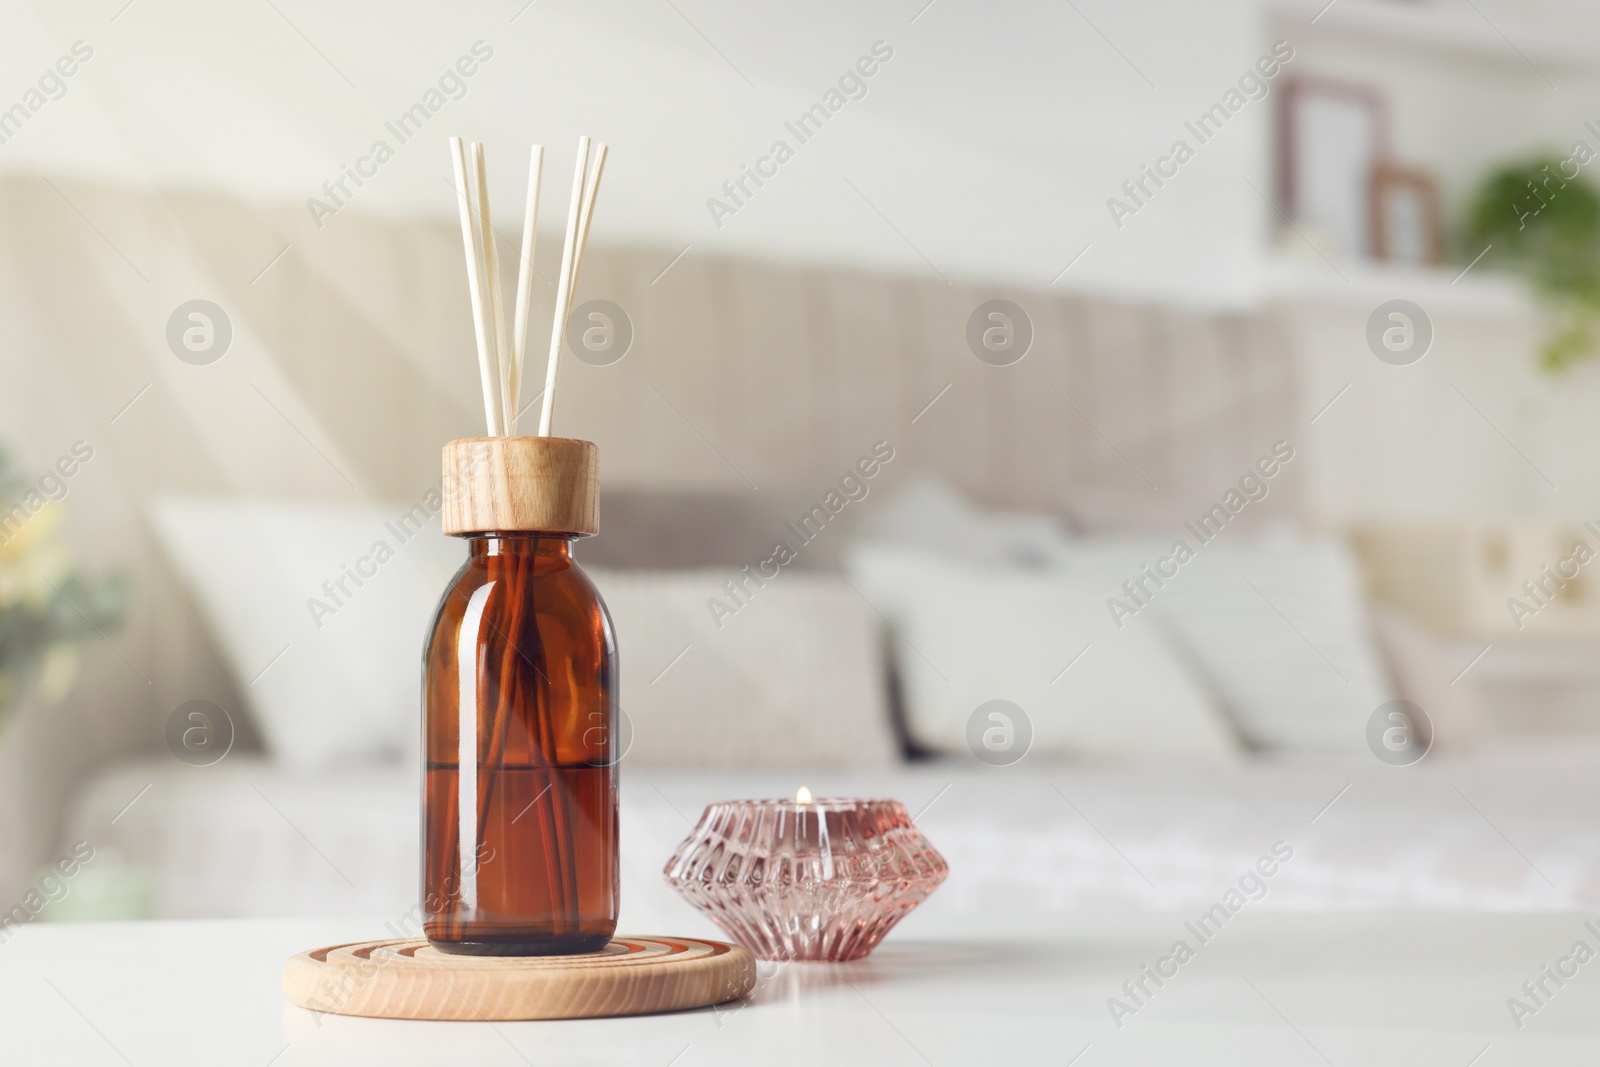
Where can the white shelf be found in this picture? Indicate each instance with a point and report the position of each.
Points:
(1312, 280)
(1446, 27)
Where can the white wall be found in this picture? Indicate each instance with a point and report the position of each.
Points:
(986, 148)
(990, 141)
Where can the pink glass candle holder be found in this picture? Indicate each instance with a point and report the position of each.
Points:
(806, 880)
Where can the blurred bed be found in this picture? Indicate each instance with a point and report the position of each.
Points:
(344, 376)
(1509, 829)
(1161, 758)
(1161, 745)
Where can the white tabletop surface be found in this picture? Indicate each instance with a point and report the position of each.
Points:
(1347, 989)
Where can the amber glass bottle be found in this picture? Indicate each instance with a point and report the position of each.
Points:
(520, 693)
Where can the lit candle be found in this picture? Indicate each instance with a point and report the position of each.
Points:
(807, 878)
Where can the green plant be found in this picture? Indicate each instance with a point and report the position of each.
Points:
(1542, 219)
(47, 608)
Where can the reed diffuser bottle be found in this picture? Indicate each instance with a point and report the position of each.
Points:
(520, 691)
(519, 809)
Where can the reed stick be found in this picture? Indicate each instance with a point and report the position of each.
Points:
(591, 190)
(563, 288)
(519, 330)
(491, 267)
(469, 241)
(518, 574)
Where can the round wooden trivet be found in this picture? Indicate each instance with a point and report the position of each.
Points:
(411, 979)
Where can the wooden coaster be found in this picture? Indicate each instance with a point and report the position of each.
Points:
(411, 979)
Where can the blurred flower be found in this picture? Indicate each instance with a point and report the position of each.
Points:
(47, 608)
(34, 532)
(57, 671)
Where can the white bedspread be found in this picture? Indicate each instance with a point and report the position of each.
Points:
(1513, 829)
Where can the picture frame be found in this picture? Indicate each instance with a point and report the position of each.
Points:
(1404, 210)
(1331, 135)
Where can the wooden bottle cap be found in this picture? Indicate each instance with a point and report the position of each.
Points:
(528, 484)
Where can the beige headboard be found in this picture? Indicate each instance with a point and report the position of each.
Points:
(1118, 414)
(742, 374)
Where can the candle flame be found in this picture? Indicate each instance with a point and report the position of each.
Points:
(802, 796)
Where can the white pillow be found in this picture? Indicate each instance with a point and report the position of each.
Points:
(971, 633)
(929, 513)
(1275, 624)
(348, 682)
(792, 678)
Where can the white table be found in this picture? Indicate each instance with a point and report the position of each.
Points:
(1270, 989)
